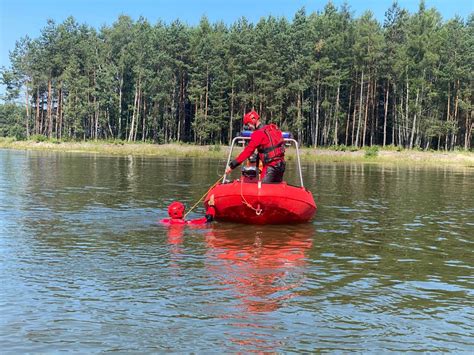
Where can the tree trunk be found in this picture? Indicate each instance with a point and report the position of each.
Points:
(144, 130)
(337, 114)
(325, 132)
(467, 134)
(318, 102)
(374, 122)
(96, 118)
(37, 119)
(96, 111)
(206, 98)
(27, 108)
(394, 113)
(107, 114)
(50, 109)
(175, 107)
(385, 115)
(138, 112)
(119, 133)
(135, 103)
(455, 117)
(348, 117)
(61, 111)
(181, 113)
(58, 112)
(173, 131)
(413, 126)
(354, 113)
(156, 111)
(406, 113)
(366, 111)
(360, 109)
(231, 120)
(299, 116)
(42, 118)
(401, 121)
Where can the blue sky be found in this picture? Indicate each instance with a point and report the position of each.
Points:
(27, 17)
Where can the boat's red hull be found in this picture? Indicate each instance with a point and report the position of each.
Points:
(278, 203)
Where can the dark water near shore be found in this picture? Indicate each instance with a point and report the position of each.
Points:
(386, 265)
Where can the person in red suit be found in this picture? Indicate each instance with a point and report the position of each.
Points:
(176, 214)
(270, 145)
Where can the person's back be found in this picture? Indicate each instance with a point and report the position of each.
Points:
(272, 154)
(269, 143)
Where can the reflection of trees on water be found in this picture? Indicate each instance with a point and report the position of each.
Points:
(65, 196)
(383, 225)
(412, 187)
(72, 182)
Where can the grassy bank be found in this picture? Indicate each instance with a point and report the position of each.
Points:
(335, 154)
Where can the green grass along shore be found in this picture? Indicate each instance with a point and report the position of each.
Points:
(333, 154)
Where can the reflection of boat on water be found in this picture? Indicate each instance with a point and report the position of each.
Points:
(263, 266)
(247, 200)
(246, 274)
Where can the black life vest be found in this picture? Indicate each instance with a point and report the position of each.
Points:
(276, 150)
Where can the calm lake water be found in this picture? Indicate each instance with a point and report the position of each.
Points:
(386, 264)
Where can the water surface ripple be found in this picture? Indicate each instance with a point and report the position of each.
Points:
(386, 265)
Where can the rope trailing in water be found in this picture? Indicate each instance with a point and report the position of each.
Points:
(220, 178)
(258, 210)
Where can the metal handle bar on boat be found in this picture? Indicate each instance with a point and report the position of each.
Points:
(285, 139)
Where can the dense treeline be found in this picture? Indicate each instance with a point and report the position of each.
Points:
(328, 77)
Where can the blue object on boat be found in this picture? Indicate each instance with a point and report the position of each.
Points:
(249, 133)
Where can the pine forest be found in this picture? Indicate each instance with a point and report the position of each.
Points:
(328, 77)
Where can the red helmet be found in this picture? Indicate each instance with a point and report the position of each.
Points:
(251, 118)
(176, 210)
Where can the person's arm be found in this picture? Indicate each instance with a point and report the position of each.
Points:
(211, 210)
(208, 218)
(255, 141)
(210, 214)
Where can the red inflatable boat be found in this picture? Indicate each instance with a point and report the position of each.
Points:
(247, 200)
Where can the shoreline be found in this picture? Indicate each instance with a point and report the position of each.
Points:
(323, 155)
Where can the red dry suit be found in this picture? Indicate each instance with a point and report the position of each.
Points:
(210, 214)
(269, 143)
